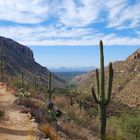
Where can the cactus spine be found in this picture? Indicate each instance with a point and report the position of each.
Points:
(100, 97)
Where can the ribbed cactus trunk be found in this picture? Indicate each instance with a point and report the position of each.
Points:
(100, 98)
(102, 122)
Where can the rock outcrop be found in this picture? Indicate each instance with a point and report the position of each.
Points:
(20, 58)
(135, 55)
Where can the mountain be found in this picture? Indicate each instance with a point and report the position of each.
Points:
(19, 58)
(73, 69)
(126, 82)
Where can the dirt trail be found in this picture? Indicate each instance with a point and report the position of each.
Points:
(14, 125)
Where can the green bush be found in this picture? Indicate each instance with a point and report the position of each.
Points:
(50, 115)
(22, 93)
(17, 83)
(84, 122)
(124, 127)
(131, 124)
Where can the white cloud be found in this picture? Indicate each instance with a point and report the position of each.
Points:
(36, 11)
(24, 11)
(122, 15)
(75, 13)
(52, 35)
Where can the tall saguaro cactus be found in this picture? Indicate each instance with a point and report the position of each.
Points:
(2, 68)
(100, 97)
(22, 79)
(50, 85)
(2, 63)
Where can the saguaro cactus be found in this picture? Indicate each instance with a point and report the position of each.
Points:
(80, 105)
(2, 63)
(50, 85)
(22, 79)
(2, 68)
(100, 97)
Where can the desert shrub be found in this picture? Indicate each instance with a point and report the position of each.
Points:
(50, 133)
(17, 83)
(131, 124)
(92, 112)
(22, 93)
(80, 120)
(50, 115)
(124, 127)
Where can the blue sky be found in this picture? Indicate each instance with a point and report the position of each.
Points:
(67, 32)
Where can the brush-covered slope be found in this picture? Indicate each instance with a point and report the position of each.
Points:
(19, 58)
(126, 83)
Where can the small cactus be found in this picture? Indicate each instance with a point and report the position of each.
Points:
(100, 97)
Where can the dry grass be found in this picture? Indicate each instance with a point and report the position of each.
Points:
(61, 102)
(76, 132)
(31, 135)
(50, 133)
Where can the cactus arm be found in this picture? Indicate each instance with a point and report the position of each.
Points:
(102, 93)
(94, 96)
(110, 80)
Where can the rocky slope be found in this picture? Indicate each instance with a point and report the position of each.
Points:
(126, 84)
(19, 58)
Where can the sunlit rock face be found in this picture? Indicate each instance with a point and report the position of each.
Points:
(135, 55)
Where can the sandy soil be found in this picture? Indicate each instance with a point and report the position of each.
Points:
(15, 125)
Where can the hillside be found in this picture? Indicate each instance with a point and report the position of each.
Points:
(126, 84)
(19, 58)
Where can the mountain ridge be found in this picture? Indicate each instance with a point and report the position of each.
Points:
(19, 58)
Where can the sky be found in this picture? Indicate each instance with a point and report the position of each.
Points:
(67, 32)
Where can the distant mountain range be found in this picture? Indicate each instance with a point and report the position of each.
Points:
(73, 69)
